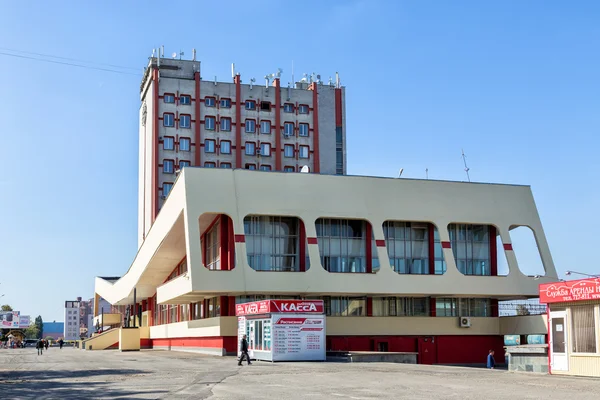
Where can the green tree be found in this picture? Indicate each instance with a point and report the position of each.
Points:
(32, 332)
(6, 307)
(40, 326)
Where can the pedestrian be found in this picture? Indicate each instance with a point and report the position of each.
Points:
(244, 353)
(46, 344)
(60, 343)
(491, 363)
(40, 346)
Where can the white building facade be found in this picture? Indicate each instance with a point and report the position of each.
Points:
(72, 320)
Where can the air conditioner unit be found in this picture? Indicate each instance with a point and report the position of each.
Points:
(464, 322)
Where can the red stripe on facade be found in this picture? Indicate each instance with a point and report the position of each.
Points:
(446, 245)
(277, 86)
(238, 120)
(312, 240)
(197, 161)
(380, 243)
(493, 252)
(431, 248)
(240, 238)
(508, 246)
(155, 148)
(338, 107)
(317, 161)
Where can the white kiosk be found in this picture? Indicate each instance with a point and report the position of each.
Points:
(283, 330)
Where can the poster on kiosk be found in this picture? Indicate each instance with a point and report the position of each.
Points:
(283, 330)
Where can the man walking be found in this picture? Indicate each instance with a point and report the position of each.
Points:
(60, 343)
(244, 348)
(491, 362)
(40, 346)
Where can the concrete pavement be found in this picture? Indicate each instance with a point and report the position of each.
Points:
(76, 374)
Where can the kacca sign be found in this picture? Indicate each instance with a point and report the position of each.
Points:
(281, 306)
(580, 290)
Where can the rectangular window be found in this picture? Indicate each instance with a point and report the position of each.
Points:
(250, 105)
(209, 146)
(225, 124)
(169, 98)
(303, 109)
(209, 123)
(251, 167)
(209, 101)
(265, 106)
(184, 144)
(345, 306)
(289, 169)
(168, 166)
(273, 243)
(225, 147)
(168, 119)
(250, 126)
(185, 100)
(265, 167)
(212, 246)
(265, 149)
(288, 129)
(209, 165)
(250, 148)
(400, 307)
(584, 329)
(225, 165)
(265, 127)
(183, 164)
(471, 248)
(168, 143)
(288, 108)
(446, 307)
(303, 153)
(303, 130)
(167, 188)
(185, 121)
(225, 103)
(288, 150)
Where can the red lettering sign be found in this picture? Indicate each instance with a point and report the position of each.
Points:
(280, 306)
(580, 290)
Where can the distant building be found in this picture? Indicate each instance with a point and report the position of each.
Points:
(71, 325)
(54, 329)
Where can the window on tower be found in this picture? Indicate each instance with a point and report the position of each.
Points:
(184, 144)
(168, 119)
(185, 121)
(169, 98)
(185, 100)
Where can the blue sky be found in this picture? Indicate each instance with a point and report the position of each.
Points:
(513, 83)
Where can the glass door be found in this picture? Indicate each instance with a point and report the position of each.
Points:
(559, 358)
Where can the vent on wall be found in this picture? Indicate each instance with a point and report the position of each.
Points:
(465, 322)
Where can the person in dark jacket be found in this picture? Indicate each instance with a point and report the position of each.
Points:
(40, 346)
(46, 344)
(60, 343)
(244, 353)
(491, 363)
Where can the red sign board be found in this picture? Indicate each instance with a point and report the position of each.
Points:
(583, 289)
(280, 306)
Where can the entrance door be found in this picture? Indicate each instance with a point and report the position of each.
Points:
(427, 350)
(559, 358)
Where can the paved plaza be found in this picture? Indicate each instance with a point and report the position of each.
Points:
(77, 374)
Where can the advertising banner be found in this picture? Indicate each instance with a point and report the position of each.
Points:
(280, 306)
(9, 319)
(298, 337)
(24, 321)
(557, 292)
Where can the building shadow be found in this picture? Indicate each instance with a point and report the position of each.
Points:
(64, 384)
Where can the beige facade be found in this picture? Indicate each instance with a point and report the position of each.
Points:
(200, 194)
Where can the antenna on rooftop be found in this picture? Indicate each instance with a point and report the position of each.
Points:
(305, 169)
(293, 83)
(252, 80)
(426, 173)
(174, 55)
(465, 162)
(400, 172)
(232, 70)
